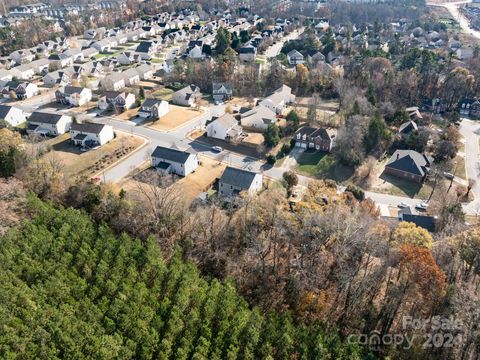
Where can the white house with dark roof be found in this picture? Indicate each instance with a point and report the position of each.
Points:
(72, 95)
(187, 96)
(153, 109)
(174, 161)
(21, 90)
(48, 123)
(89, 134)
(12, 115)
(234, 181)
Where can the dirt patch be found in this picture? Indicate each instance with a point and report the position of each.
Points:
(84, 108)
(177, 116)
(128, 114)
(253, 139)
(240, 148)
(85, 164)
(201, 180)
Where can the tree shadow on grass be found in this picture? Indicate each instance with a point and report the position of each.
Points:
(410, 188)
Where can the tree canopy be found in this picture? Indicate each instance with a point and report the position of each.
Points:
(72, 289)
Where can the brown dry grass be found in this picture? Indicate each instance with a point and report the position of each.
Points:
(254, 139)
(78, 164)
(128, 114)
(201, 180)
(177, 116)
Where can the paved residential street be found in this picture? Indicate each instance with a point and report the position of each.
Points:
(178, 138)
(452, 7)
(275, 49)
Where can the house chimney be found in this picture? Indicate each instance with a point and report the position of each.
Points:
(398, 156)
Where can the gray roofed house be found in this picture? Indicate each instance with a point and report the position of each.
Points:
(294, 57)
(187, 96)
(258, 118)
(234, 181)
(180, 162)
(48, 123)
(409, 165)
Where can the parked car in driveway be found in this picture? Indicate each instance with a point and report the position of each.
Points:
(402, 205)
(217, 149)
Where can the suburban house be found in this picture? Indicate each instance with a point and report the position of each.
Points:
(60, 60)
(71, 95)
(153, 109)
(188, 96)
(21, 91)
(469, 107)
(407, 127)
(258, 118)
(278, 101)
(89, 52)
(145, 71)
(23, 72)
(48, 123)
(88, 134)
(128, 58)
(173, 161)
(146, 49)
(57, 78)
(427, 222)
(131, 77)
(116, 101)
(222, 91)
(225, 127)
(115, 81)
(408, 165)
(247, 53)
(294, 58)
(235, 181)
(320, 139)
(12, 115)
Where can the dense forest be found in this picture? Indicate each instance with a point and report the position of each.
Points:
(72, 289)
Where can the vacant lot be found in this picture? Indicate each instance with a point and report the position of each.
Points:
(201, 180)
(177, 116)
(85, 164)
(387, 184)
(322, 165)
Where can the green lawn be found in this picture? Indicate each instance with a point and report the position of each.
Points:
(322, 165)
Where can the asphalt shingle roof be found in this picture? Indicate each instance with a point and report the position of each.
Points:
(172, 155)
(409, 161)
(237, 177)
